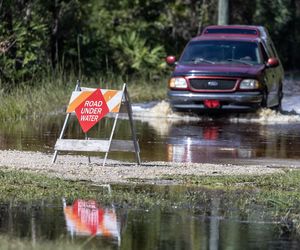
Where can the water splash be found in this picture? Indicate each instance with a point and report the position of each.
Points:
(291, 98)
(162, 110)
(161, 113)
(266, 116)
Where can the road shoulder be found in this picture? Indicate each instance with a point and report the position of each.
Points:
(71, 167)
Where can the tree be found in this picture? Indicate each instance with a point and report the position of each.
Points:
(223, 12)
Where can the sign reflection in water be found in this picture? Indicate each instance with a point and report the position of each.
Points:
(88, 218)
(215, 221)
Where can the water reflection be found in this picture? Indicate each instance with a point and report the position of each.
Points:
(214, 222)
(88, 218)
(212, 140)
(216, 141)
(207, 142)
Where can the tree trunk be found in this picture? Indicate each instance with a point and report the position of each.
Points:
(293, 28)
(223, 12)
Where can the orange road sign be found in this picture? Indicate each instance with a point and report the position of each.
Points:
(90, 106)
(91, 110)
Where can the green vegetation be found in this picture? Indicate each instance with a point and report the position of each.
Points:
(31, 102)
(279, 193)
(52, 95)
(27, 187)
(14, 243)
(275, 196)
(284, 182)
(21, 186)
(125, 37)
(42, 44)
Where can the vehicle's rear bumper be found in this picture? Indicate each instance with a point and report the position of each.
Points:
(190, 101)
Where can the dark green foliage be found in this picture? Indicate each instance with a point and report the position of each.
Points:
(23, 40)
(93, 37)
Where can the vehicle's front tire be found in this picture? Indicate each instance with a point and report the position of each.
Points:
(278, 107)
(264, 103)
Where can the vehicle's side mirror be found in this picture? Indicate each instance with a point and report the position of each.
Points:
(272, 62)
(171, 60)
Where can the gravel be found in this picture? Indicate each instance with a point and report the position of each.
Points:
(77, 168)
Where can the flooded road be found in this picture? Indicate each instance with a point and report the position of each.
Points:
(92, 225)
(216, 221)
(167, 136)
(213, 140)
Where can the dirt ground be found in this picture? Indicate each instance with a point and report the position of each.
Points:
(77, 168)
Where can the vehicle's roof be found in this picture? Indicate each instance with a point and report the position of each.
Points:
(256, 27)
(233, 31)
(226, 37)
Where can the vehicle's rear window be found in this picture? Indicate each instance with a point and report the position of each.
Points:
(221, 51)
(231, 31)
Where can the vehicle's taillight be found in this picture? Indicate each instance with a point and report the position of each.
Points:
(177, 83)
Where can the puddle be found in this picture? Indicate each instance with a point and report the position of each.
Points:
(214, 222)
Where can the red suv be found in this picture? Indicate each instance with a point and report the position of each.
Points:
(227, 67)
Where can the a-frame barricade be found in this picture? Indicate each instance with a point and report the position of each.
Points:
(113, 101)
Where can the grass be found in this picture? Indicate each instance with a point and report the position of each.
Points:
(279, 194)
(288, 181)
(64, 243)
(35, 99)
(269, 197)
(11, 243)
(26, 187)
(52, 93)
(21, 186)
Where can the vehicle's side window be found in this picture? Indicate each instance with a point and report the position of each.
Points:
(264, 53)
(270, 50)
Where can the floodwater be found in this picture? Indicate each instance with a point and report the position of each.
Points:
(167, 136)
(91, 225)
(217, 139)
(163, 136)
